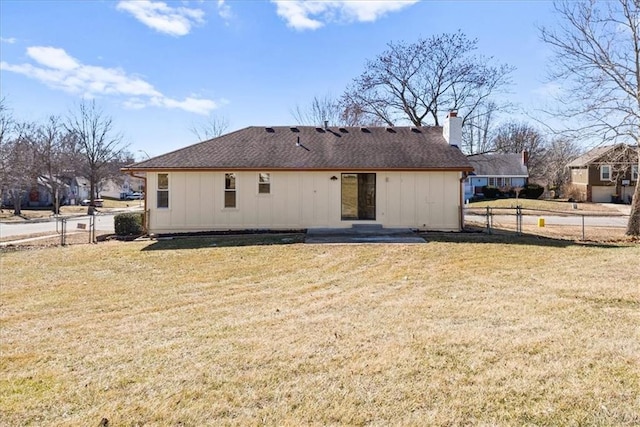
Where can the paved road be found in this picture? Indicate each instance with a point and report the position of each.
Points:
(589, 221)
(104, 222)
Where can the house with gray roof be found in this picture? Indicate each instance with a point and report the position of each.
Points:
(298, 177)
(498, 170)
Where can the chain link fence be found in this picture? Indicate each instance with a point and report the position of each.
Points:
(82, 229)
(546, 223)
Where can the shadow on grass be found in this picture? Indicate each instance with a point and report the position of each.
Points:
(200, 241)
(473, 234)
(470, 235)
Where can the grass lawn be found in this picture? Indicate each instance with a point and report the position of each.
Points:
(193, 332)
(6, 214)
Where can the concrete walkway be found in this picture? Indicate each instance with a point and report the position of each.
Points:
(364, 233)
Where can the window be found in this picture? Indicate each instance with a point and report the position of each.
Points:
(605, 173)
(163, 190)
(492, 182)
(264, 183)
(229, 190)
(634, 172)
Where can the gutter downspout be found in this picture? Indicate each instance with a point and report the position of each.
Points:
(461, 212)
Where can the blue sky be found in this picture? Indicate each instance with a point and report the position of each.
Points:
(158, 68)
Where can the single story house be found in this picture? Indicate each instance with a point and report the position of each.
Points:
(496, 170)
(606, 174)
(309, 177)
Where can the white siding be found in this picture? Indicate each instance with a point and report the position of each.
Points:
(424, 200)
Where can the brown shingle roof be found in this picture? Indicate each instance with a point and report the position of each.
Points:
(498, 164)
(334, 148)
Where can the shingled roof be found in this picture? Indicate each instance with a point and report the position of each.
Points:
(498, 164)
(596, 154)
(307, 147)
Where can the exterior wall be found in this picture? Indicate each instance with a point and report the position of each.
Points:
(579, 176)
(424, 200)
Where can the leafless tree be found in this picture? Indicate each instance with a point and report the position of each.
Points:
(477, 134)
(597, 57)
(560, 152)
(55, 149)
(417, 82)
(97, 139)
(212, 128)
(320, 110)
(18, 162)
(516, 137)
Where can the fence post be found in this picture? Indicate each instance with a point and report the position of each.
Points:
(488, 220)
(518, 220)
(92, 228)
(582, 227)
(63, 232)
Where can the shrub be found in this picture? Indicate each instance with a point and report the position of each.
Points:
(128, 224)
(490, 192)
(532, 191)
(573, 193)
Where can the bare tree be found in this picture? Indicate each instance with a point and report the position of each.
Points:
(597, 56)
(55, 150)
(417, 82)
(560, 152)
(212, 128)
(516, 137)
(477, 134)
(97, 140)
(19, 163)
(320, 110)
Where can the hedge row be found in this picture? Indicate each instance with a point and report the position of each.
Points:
(530, 191)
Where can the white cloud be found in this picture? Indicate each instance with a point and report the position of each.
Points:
(8, 40)
(59, 70)
(175, 21)
(224, 10)
(311, 15)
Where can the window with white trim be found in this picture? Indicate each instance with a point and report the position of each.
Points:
(162, 194)
(605, 173)
(264, 183)
(229, 190)
(634, 172)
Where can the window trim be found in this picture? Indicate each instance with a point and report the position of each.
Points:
(266, 184)
(233, 190)
(602, 169)
(162, 189)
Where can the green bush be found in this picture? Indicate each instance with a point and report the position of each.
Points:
(128, 224)
(532, 191)
(490, 192)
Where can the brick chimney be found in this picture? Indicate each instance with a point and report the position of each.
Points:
(452, 129)
(525, 157)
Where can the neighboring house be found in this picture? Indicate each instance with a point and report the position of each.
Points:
(606, 174)
(79, 189)
(40, 195)
(496, 170)
(307, 177)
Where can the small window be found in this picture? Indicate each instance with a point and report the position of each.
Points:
(229, 190)
(264, 183)
(605, 173)
(492, 182)
(163, 190)
(634, 172)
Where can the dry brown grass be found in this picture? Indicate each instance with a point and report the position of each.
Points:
(185, 333)
(548, 205)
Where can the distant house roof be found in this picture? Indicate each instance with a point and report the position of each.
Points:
(498, 164)
(596, 154)
(307, 147)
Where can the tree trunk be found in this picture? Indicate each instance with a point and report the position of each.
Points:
(17, 205)
(633, 226)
